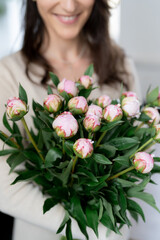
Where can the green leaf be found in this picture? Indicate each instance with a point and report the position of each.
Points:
(111, 125)
(52, 155)
(54, 78)
(8, 151)
(125, 183)
(7, 140)
(123, 160)
(68, 148)
(88, 174)
(144, 117)
(106, 221)
(66, 173)
(108, 208)
(65, 220)
(108, 150)
(123, 143)
(22, 94)
(26, 175)
(140, 186)
(85, 92)
(77, 212)
(48, 204)
(69, 231)
(100, 158)
(133, 206)
(92, 219)
(49, 91)
(122, 200)
(90, 70)
(153, 95)
(15, 159)
(65, 96)
(33, 157)
(6, 124)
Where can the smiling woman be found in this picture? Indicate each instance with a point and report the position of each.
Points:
(63, 36)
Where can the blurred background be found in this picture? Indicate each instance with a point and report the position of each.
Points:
(135, 27)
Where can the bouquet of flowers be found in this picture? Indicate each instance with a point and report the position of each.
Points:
(91, 156)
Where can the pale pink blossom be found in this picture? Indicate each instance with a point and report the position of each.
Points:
(131, 106)
(129, 94)
(52, 103)
(66, 125)
(78, 105)
(143, 162)
(92, 123)
(112, 113)
(86, 81)
(157, 135)
(67, 86)
(16, 108)
(94, 110)
(83, 148)
(103, 101)
(153, 114)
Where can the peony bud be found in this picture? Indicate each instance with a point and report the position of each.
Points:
(129, 94)
(92, 123)
(67, 86)
(103, 101)
(153, 114)
(143, 162)
(16, 108)
(83, 148)
(94, 110)
(78, 105)
(52, 103)
(112, 113)
(157, 135)
(131, 106)
(86, 81)
(66, 125)
(157, 101)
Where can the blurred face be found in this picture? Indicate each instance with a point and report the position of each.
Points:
(65, 18)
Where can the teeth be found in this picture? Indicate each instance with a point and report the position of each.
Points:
(68, 18)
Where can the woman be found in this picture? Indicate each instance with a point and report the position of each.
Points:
(63, 36)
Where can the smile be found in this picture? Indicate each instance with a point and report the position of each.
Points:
(67, 19)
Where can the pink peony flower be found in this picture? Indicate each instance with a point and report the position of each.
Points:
(52, 103)
(103, 101)
(131, 106)
(129, 94)
(67, 86)
(16, 108)
(157, 135)
(83, 148)
(112, 113)
(86, 81)
(92, 123)
(94, 110)
(153, 114)
(78, 105)
(143, 162)
(66, 125)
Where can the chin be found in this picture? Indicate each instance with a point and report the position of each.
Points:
(69, 35)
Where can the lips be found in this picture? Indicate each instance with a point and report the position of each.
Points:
(67, 19)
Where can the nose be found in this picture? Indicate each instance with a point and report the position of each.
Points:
(69, 5)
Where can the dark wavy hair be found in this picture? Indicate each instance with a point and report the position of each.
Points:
(108, 58)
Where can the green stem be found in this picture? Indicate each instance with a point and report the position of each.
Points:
(140, 125)
(90, 135)
(121, 173)
(100, 139)
(150, 146)
(31, 139)
(74, 163)
(142, 147)
(63, 141)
